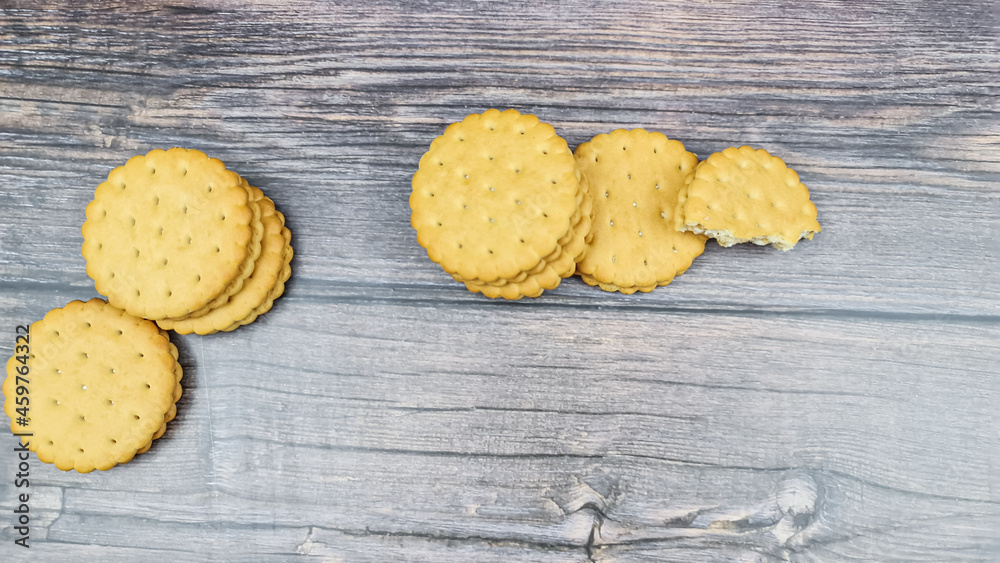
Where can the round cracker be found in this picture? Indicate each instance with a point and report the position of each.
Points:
(634, 179)
(493, 195)
(172, 412)
(747, 195)
(101, 384)
(167, 233)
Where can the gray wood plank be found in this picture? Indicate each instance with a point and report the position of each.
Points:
(382, 428)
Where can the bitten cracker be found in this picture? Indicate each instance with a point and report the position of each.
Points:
(747, 195)
(494, 195)
(102, 385)
(168, 233)
(634, 178)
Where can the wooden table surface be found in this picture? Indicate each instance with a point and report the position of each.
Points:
(839, 402)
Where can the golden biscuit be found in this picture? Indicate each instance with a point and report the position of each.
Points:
(258, 287)
(550, 272)
(172, 412)
(101, 383)
(279, 285)
(747, 195)
(253, 253)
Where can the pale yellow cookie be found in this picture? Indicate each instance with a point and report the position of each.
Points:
(494, 195)
(634, 178)
(747, 195)
(168, 233)
(101, 385)
(256, 289)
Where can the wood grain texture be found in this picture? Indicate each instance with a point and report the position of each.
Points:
(835, 403)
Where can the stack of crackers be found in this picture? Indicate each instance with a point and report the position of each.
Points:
(102, 385)
(172, 237)
(499, 204)
(175, 237)
(503, 206)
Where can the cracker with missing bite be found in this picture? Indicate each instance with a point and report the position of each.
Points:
(747, 195)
